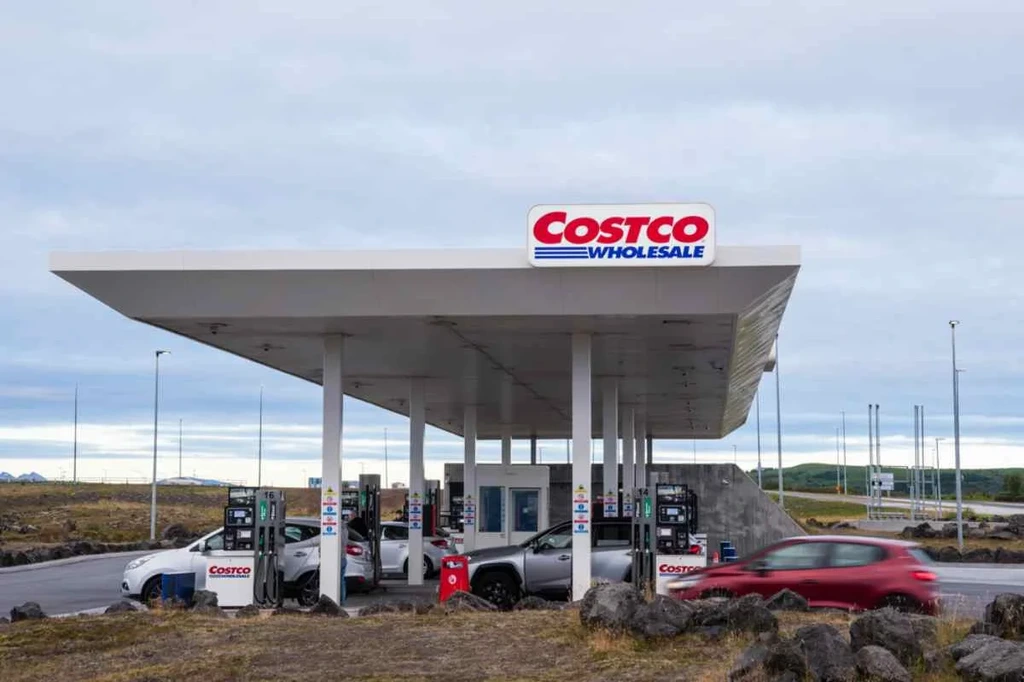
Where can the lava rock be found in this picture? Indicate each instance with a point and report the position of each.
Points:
(948, 530)
(27, 611)
(786, 600)
(1006, 613)
(175, 531)
(890, 630)
(20, 559)
(418, 607)
(250, 611)
(327, 607)
(661, 617)
(828, 655)
(876, 664)
(970, 644)
(464, 601)
(948, 554)
(124, 606)
(983, 628)
(1008, 556)
(6, 559)
(204, 598)
(287, 611)
(749, 614)
(537, 604)
(751, 661)
(996, 660)
(981, 555)
(609, 606)
(786, 661)
(1001, 535)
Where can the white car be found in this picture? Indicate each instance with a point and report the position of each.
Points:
(143, 576)
(394, 550)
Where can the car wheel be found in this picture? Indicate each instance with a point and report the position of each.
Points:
(428, 568)
(901, 602)
(309, 592)
(498, 588)
(152, 590)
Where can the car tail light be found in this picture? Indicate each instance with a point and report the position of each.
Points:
(443, 544)
(354, 550)
(924, 576)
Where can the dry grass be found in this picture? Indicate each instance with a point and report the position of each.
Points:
(542, 645)
(120, 513)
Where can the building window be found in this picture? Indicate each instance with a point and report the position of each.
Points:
(492, 509)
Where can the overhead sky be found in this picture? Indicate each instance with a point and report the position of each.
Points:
(886, 139)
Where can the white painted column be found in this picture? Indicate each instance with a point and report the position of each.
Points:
(506, 419)
(417, 422)
(582, 424)
(469, 478)
(628, 467)
(533, 449)
(610, 427)
(330, 489)
(640, 434)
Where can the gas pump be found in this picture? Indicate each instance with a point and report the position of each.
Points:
(431, 507)
(369, 514)
(678, 547)
(248, 571)
(643, 537)
(349, 502)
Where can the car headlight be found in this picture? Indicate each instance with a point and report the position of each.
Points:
(683, 583)
(135, 563)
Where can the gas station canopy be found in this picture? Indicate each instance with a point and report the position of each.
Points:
(480, 327)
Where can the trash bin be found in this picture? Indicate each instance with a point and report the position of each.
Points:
(454, 576)
(177, 587)
(729, 552)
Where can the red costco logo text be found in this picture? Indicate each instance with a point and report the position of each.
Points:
(555, 228)
(230, 571)
(669, 569)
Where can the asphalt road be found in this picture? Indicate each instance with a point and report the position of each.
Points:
(988, 508)
(65, 586)
(89, 583)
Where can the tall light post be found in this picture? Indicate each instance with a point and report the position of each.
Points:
(757, 397)
(938, 476)
(846, 481)
(778, 421)
(956, 437)
(385, 458)
(839, 479)
(156, 421)
(74, 447)
(179, 448)
(259, 446)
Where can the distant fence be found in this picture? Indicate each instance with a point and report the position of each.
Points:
(121, 480)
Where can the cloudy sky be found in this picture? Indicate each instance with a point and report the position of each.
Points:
(888, 143)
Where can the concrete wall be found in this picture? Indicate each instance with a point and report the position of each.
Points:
(730, 506)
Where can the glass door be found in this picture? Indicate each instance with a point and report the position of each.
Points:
(525, 516)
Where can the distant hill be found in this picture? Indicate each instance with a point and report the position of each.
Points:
(189, 480)
(822, 478)
(30, 478)
(5, 477)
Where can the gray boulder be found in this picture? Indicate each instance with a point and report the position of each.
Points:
(532, 603)
(204, 598)
(326, 606)
(750, 663)
(464, 601)
(1006, 613)
(250, 611)
(125, 606)
(948, 554)
(662, 617)
(786, 662)
(996, 660)
(981, 555)
(889, 629)
(948, 530)
(1007, 556)
(749, 614)
(27, 611)
(175, 531)
(970, 644)
(381, 607)
(610, 606)
(828, 655)
(786, 600)
(876, 664)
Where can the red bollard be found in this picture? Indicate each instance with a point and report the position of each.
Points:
(454, 576)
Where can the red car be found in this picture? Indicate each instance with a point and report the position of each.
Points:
(841, 571)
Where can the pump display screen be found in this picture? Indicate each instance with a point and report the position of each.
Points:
(239, 513)
(672, 511)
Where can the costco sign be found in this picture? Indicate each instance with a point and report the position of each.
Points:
(622, 235)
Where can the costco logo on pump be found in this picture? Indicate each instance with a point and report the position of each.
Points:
(622, 235)
(229, 571)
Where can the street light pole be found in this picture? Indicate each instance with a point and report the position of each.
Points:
(385, 458)
(778, 421)
(839, 480)
(156, 421)
(938, 475)
(846, 481)
(757, 397)
(956, 437)
(74, 451)
(259, 446)
(179, 448)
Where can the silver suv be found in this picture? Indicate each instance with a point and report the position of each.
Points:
(542, 565)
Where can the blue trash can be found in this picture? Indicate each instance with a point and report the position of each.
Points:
(727, 552)
(177, 587)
